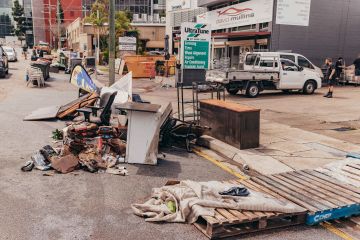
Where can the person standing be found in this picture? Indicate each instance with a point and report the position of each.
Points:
(357, 66)
(339, 67)
(330, 77)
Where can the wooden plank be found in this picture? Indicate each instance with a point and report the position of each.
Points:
(242, 217)
(295, 189)
(312, 188)
(356, 166)
(65, 111)
(264, 189)
(352, 171)
(301, 188)
(325, 188)
(346, 173)
(285, 193)
(341, 189)
(210, 220)
(251, 215)
(226, 214)
(219, 217)
(332, 180)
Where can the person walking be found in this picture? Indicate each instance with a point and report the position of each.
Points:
(330, 77)
(24, 52)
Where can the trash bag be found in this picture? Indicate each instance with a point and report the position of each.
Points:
(40, 161)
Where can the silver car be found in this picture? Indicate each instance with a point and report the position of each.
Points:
(11, 53)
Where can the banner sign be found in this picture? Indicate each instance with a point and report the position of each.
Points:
(293, 12)
(241, 14)
(81, 79)
(195, 44)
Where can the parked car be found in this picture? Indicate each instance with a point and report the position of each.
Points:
(11, 54)
(267, 73)
(295, 57)
(4, 63)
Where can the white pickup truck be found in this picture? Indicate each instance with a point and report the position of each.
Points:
(267, 73)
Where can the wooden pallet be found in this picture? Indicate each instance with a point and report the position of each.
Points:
(324, 197)
(227, 223)
(350, 171)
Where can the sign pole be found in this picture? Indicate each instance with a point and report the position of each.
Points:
(112, 43)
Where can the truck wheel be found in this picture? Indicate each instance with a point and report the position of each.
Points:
(232, 90)
(253, 90)
(309, 87)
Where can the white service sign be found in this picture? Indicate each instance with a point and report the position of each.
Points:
(242, 14)
(174, 5)
(293, 12)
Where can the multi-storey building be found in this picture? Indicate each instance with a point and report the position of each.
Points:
(5, 17)
(314, 28)
(45, 18)
(142, 11)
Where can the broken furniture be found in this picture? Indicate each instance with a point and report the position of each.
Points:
(144, 122)
(235, 124)
(91, 112)
(35, 76)
(72, 64)
(90, 62)
(200, 90)
(175, 132)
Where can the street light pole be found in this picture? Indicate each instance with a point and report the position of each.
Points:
(112, 42)
(58, 23)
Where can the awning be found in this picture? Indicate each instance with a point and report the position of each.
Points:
(241, 43)
(239, 34)
(155, 44)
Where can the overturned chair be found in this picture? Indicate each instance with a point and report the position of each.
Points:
(100, 114)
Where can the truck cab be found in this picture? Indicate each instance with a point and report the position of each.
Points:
(298, 59)
(267, 73)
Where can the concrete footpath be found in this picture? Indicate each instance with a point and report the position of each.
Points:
(284, 148)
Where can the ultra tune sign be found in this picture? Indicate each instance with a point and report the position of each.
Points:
(195, 44)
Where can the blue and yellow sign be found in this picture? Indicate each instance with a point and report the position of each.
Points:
(81, 79)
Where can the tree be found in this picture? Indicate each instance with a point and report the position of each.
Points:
(61, 13)
(122, 23)
(98, 17)
(19, 18)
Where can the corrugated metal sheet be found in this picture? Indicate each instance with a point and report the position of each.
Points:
(334, 31)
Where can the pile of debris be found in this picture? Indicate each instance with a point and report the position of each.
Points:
(84, 146)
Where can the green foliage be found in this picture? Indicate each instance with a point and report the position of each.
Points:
(122, 23)
(57, 135)
(19, 18)
(98, 14)
(61, 12)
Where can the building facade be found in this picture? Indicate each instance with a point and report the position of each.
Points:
(45, 19)
(308, 27)
(142, 11)
(5, 18)
(177, 12)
